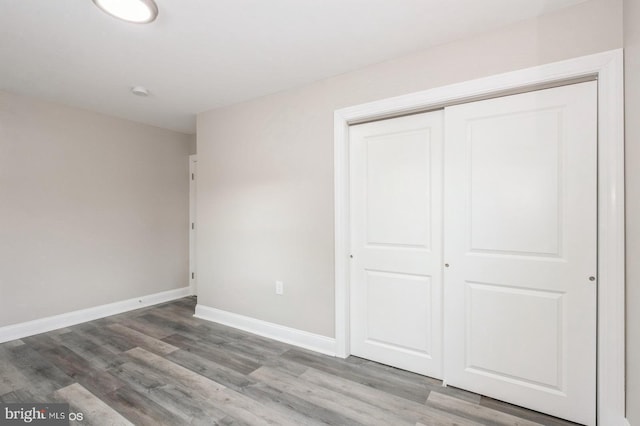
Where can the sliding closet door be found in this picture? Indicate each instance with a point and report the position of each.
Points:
(396, 225)
(520, 245)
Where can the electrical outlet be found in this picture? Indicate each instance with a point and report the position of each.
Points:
(279, 287)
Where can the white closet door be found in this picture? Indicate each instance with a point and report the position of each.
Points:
(520, 241)
(396, 241)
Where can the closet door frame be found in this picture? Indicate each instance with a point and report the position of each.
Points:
(607, 68)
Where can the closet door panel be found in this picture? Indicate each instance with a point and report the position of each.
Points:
(396, 223)
(520, 241)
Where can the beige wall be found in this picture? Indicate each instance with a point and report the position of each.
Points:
(265, 190)
(632, 146)
(93, 209)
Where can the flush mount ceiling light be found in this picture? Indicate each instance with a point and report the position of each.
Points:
(140, 91)
(136, 11)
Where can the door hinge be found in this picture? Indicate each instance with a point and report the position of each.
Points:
(193, 275)
(193, 225)
(193, 176)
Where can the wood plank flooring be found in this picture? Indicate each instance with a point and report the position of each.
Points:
(161, 366)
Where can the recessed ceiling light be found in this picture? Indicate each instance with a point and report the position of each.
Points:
(137, 11)
(140, 91)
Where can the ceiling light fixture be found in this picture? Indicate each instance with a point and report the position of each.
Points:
(140, 91)
(136, 11)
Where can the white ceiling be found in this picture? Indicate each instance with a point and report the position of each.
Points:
(203, 54)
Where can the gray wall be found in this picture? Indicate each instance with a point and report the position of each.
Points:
(93, 209)
(265, 189)
(632, 141)
(193, 144)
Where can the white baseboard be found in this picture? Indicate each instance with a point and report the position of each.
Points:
(292, 336)
(42, 325)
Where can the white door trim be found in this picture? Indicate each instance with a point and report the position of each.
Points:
(193, 161)
(607, 67)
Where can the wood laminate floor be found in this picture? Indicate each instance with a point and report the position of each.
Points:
(161, 366)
